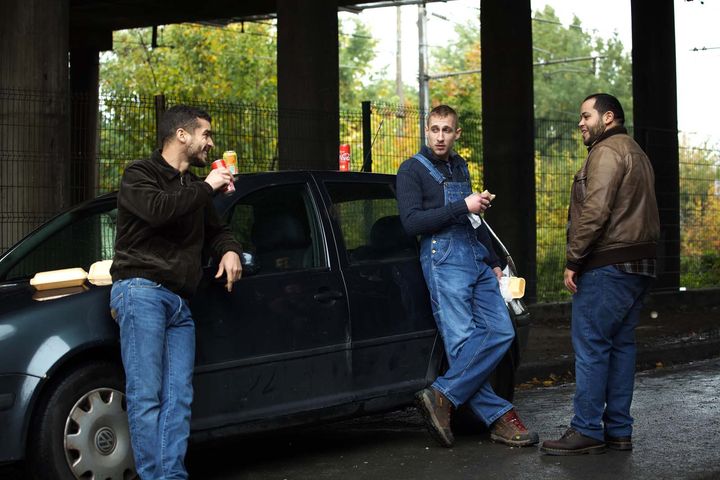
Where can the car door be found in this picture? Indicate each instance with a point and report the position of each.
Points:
(278, 343)
(392, 328)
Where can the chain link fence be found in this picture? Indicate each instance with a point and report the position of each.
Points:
(116, 131)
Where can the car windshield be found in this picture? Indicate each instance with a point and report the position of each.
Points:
(74, 239)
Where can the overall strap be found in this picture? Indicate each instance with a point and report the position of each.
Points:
(466, 171)
(439, 177)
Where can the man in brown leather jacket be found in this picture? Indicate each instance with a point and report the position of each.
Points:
(613, 228)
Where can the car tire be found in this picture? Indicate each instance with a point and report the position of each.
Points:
(80, 429)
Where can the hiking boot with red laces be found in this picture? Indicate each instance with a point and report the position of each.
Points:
(510, 430)
(436, 410)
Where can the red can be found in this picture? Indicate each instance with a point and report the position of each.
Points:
(344, 160)
(230, 187)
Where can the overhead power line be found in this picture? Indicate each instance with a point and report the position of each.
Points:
(538, 64)
(553, 22)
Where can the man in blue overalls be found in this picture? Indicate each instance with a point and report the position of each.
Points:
(461, 271)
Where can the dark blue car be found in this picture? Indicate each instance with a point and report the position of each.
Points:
(331, 320)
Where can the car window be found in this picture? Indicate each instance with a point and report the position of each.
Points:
(86, 237)
(278, 225)
(367, 215)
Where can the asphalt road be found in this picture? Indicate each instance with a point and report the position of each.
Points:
(677, 417)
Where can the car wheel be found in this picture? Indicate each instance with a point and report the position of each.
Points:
(81, 428)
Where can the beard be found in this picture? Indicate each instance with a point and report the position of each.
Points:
(594, 133)
(197, 156)
(197, 162)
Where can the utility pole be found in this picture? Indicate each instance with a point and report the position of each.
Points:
(424, 91)
(398, 57)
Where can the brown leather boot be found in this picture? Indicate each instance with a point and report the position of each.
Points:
(573, 443)
(510, 430)
(618, 443)
(436, 410)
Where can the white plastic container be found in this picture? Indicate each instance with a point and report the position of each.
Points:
(512, 287)
(100, 273)
(67, 277)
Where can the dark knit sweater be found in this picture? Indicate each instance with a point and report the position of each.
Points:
(421, 200)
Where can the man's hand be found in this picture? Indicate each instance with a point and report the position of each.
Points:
(218, 178)
(498, 273)
(230, 265)
(570, 278)
(477, 202)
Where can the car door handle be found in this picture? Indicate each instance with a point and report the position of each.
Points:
(328, 296)
(371, 277)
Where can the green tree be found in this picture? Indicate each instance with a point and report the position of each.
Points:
(357, 51)
(194, 64)
(462, 55)
(235, 63)
(585, 65)
(699, 215)
(558, 87)
(230, 70)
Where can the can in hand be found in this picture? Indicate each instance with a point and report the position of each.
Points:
(231, 161)
(230, 187)
(344, 160)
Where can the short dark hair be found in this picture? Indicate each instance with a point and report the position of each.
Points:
(604, 102)
(442, 111)
(180, 116)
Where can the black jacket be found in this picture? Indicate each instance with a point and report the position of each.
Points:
(165, 219)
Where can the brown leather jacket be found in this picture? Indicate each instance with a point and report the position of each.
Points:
(613, 215)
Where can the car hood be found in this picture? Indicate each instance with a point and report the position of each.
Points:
(35, 333)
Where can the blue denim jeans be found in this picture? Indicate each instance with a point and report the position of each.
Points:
(605, 312)
(157, 339)
(471, 316)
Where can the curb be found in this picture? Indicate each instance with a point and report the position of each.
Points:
(700, 298)
(647, 359)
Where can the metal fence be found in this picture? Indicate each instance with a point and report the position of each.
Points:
(396, 133)
(560, 153)
(385, 135)
(699, 215)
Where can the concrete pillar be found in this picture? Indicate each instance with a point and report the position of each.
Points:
(655, 122)
(34, 113)
(308, 78)
(85, 47)
(508, 132)
(84, 72)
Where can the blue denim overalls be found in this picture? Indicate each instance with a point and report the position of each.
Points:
(468, 308)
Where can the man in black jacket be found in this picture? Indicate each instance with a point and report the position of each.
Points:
(165, 219)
